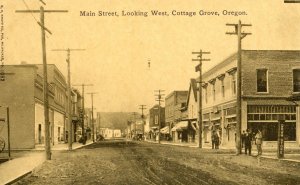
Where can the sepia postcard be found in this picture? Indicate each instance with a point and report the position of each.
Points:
(149, 92)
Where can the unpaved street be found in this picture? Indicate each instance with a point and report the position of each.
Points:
(120, 162)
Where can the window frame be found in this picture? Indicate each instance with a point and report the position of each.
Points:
(267, 80)
(293, 72)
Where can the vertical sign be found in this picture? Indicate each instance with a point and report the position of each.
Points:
(280, 149)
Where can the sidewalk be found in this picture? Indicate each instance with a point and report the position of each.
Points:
(23, 164)
(292, 154)
(63, 146)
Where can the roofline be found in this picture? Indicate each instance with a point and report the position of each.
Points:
(234, 56)
(173, 92)
(56, 69)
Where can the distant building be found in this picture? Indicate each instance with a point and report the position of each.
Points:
(174, 103)
(154, 120)
(77, 114)
(109, 133)
(189, 133)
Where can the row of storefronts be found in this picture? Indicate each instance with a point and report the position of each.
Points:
(266, 84)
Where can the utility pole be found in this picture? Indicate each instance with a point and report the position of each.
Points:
(99, 122)
(93, 126)
(199, 68)
(83, 111)
(142, 107)
(134, 114)
(240, 35)
(41, 11)
(70, 136)
(159, 98)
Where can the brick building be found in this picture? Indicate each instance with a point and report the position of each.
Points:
(268, 78)
(154, 119)
(22, 92)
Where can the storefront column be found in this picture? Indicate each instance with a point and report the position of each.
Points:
(244, 119)
(298, 125)
(222, 124)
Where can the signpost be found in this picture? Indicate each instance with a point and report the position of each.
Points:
(280, 148)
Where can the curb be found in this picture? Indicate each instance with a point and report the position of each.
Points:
(18, 178)
(284, 160)
(30, 172)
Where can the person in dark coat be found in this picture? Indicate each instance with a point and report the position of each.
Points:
(243, 138)
(248, 139)
(215, 139)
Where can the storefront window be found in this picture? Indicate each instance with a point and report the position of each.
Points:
(265, 118)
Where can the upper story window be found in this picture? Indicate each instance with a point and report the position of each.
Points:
(262, 80)
(213, 88)
(214, 91)
(206, 95)
(221, 78)
(204, 87)
(156, 119)
(296, 80)
(233, 83)
(223, 88)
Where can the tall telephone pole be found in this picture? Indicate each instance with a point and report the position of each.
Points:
(159, 98)
(134, 114)
(240, 35)
(42, 12)
(70, 136)
(93, 125)
(143, 107)
(199, 68)
(83, 111)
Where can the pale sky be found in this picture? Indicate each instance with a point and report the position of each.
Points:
(117, 49)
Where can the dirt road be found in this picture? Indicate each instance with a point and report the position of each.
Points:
(120, 162)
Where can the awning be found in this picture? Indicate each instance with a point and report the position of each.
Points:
(165, 130)
(180, 126)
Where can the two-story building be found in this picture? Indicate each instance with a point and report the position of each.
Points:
(174, 103)
(22, 92)
(191, 109)
(267, 79)
(154, 118)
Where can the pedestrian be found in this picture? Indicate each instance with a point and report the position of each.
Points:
(213, 139)
(248, 139)
(258, 142)
(217, 139)
(243, 138)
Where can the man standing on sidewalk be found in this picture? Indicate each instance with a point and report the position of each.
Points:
(248, 139)
(258, 142)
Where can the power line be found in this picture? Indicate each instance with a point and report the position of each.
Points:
(199, 68)
(159, 98)
(143, 107)
(83, 111)
(240, 35)
(42, 12)
(93, 126)
(70, 137)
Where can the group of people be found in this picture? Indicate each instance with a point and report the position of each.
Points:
(247, 138)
